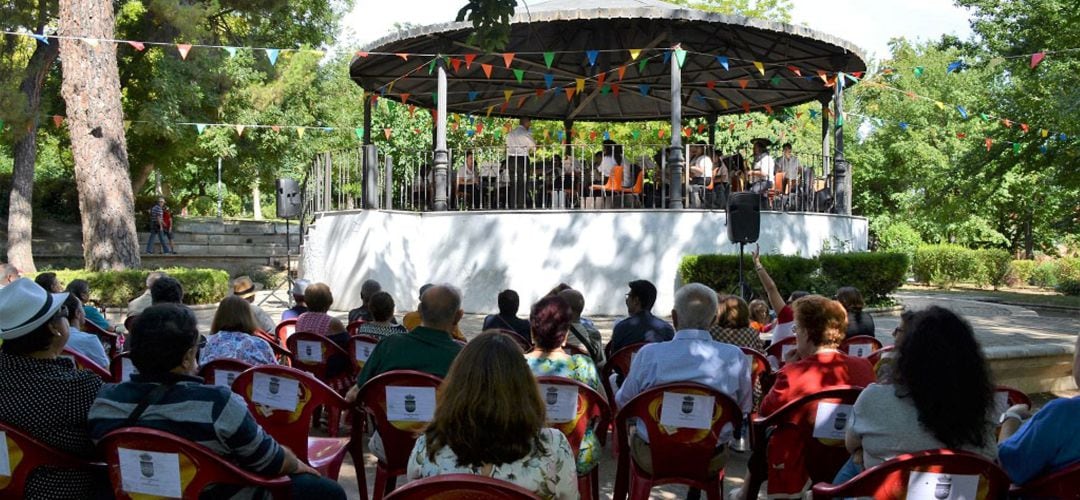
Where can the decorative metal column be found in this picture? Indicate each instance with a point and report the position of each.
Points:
(370, 177)
(840, 166)
(441, 155)
(675, 152)
(824, 135)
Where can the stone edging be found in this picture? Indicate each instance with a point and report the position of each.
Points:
(193, 307)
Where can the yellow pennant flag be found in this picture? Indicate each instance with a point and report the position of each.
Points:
(724, 103)
(760, 67)
(489, 108)
(580, 84)
(634, 53)
(1044, 133)
(507, 94)
(300, 132)
(940, 104)
(390, 88)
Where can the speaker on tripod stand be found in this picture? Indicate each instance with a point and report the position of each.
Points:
(743, 226)
(288, 207)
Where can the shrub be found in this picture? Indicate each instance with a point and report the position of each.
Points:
(896, 236)
(875, 274)
(993, 266)
(1045, 274)
(1068, 286)
(1020, 272)
(1069, 268)
(945, 265)
(117, 288)
(721, 272)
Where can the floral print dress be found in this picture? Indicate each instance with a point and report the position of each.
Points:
(548, 471)
(581, 368)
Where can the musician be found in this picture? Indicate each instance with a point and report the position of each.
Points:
(467, 182)
(763, 167)
(519, 144)
(788, 163)
(701, 165)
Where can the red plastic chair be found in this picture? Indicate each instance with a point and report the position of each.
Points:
(618, 362)
(679, 454)
(1012, 396)
(761, 374)
(522, 342)
(85, 363)
(398, 437)
(25, 454)
(283, 355)
(892, 479)
(199, 466)
(354, 327)
(284, 329)
(875, 357)
(109, 340)
(593, 412)
(223, 371)
(360, 348)
(290, 425)
(777, 350)
(867, 344)
(461, 487)
(828, 455)
(1064, 483)
(121, 368)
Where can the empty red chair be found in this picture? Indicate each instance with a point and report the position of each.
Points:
(223, 372)
(778, 349)
(360, 348)
(109, 340)
(1007, 396)
(354, 327)
(398, 436)
(85, 363)
(122, 368)
(283, 401)
(618, 363)
(284, 329)
(25, 454)
(283, 355)
(1064, 483)
(461, 487)
(591, 412)
(312, 352)
(155, 453)
(926, 474)
(860, 346)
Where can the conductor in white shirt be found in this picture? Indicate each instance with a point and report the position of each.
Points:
(763, 168)
(519, 144)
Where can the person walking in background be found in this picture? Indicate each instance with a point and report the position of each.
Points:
(157, 227)
(167, 226)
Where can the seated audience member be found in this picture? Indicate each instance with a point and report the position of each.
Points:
(1035, 445)
(759, 316)
(166, 290)
(319, 299)
(550, 325)
(42, 393)
(233, 336)
(412, 319)
(886, 364)
(298, 288)
(641, 325)
(489, 421)
(381, 307)
(690, 356)
(136, 305)
(163, 344)
(859, 322)
(507, 319)
(49, 282)
(81, 290)
(8, 274)
(367, 290)
(87, 344)
(941, 397)
(785, 315)
(244, 288)
(582, 335)
(733, 324)
(562, 287)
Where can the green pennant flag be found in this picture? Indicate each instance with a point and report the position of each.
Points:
(840, 121)
(641, 65)
(919, 71)
(519, 74)
(497, 134)
(434, 98)
(604, 90)
(431, 66)
(984, 116)
(775, 80)
(1016, 148)
(680, 56)
(549, 57)
(635, 134)
(360, 133)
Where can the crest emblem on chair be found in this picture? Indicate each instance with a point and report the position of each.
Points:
(275, 385)
(551, 396)
(688, 404)
(146, 465)
(841, 421)
(410, 403)
(944, 487)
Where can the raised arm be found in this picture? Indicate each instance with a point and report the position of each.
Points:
(775, 299)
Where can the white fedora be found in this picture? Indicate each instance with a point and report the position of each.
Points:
(25, 306)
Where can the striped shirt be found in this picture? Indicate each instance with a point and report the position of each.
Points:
(156, 215)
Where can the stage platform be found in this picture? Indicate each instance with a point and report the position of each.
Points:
(595, 251)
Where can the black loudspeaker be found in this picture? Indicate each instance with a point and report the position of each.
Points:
(743, 217)
(288, 198)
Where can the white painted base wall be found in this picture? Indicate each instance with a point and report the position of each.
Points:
(596, 252)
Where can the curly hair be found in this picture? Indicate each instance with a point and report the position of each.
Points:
(733, 312)
(823, 320)
(941, 365)
(550, 321)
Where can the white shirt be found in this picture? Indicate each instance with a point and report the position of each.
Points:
(519, 142)
(88, 345)
(701, 166)
(466, 174)
(765, 164)
(607, 164)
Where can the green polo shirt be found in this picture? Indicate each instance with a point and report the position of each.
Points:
(423, 349)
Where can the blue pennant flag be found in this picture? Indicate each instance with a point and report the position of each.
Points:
(903, 126)
(1062, 137)
(328, 129)
(607, 136)
(272, 55)
(667, 56)
(591, 54)
(955, 66)
(557, 90)
(644, 89)
(549, 80)
(231, 51)
(813, 114)
(1042, 149)
(472, 97)
(470, 132)
(560, 135)
(723, 62)
(963, 112)
(40, 38)
(699, 97)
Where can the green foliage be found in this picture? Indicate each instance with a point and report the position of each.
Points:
(893, 235)
(721, 272)
(117, 288)
(994, 266)
(1069, 268)
(1069, 287)
(1020, 272)
(875, 274)
(945, 265)
(491, 22)
(1045, 274)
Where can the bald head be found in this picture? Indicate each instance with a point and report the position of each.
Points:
(440, 307)
(576, 301)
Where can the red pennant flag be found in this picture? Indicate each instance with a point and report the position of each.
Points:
(622, 71)
(1007, 122)
(701, 128)
(387, 131)
(1037, 58)
(275, 128)
(539, 92)
(687, 131)
(184, 48)
(746, 107)
(469, 58)
(404, 57)
(361, 53)
(479, 128)
(1024, 127)
(600, 77)
(857, 74)
(521, 101)
(416, 130)
(503, 106)
(412, 110)
(960, 135)
(660, 133)
(570, 93)
(743, 82)
(910, 94)
(795, 69)
(989, 142)
(58, 120)
(138, 45)
(455, 124)
(798, 114)
(592, 135)
(768, 109)
(374, 98)
(405, 97)
(615, 89)
(487, 69)
(508, 58)
(711, 84)
(455, 63)
(732, 127)
(821, 74)
(434, 116)
(749, 123)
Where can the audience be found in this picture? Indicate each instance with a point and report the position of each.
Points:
(641, 325)
(382, 323)
(166, 290)
(785, 315)
(49, 282)
(759, 316)
(8, 274)
(87, 344)
(316, 320)
(163, 346)
(550, 325)
(81, 290)
(582, 335)
(244, 288)
(412, 319)
(690, 356)
(489, 421)
(367, 290)
(942, 397)
(859, 322)
(297, 292)
(507, 319)
(143, 301)
(562, 287)
(886, 364)
(233, 336)
(733, 324)
(43, 394)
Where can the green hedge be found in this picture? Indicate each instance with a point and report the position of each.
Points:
(721, 272)
(1020, 272)
(875, 274)
(994, 265)
(945, 265)
(117, 288)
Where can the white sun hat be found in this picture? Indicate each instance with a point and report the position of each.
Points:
(24, 306)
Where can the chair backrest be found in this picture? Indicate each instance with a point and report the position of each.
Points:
(875, 357)
(85, 363)
(926, 474)
(461, 487)
(820, 420)
(354, 327)
(223, 371)
(402, 402)
(778, 181)
(283, 401)
(639, 184)
(614, 181)
(860, 346)
(312, 352)
(360, 347)
(759, 366)
(129, 322)
(1064, 483)
(573, 408)
(779, 348)
(22, 454)
(521, 341)
(283, 355)
(150, 463)
(684, 422)
(618, 362)
(109, 340)
(284, 329)
(121, 367)
(1005, 396)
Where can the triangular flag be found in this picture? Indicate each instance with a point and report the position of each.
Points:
(549, 80)
(569, 93)
(634, 53)
(775, 80)
(622, 72)
(455, 63)
(469, 58)
(903, 126)
(404, 57)
(519, 74)
(579, 84)
(954, 66)
(521, 101)
(749, 123)
(760, 67)
(480, 125)
(199, 128)
(711, 84)
(723, 60)
(592, 135)
(989, 142)
(660, 133)
(1042, 149)
(919, 71)
(1037, 58)
(184, 48)
(549, 57)
(794, 69)
(489, 110)
(487, 69)
(821, 74)
(644, 89)
(984, 116)
(963, 112)
(591, 56)
(386, 132)
(687, 131)
(701, 128)
(412, 110)
(743, 82)
(405, 97)
(641, 65)
(1062, 137)
(560, 135)
(960, 135)
(139, 46)
(604, 90)
(359, 53)
(40, 38)
(431, 65)
(746, 107)
(939, 104)
(539, 93)
(275, 128)
(768, 109)
(508, 57)
(359, 133)
(1006, 122)
(615, 89)
(1016, 148)
(680, 56)
(667, 57)
(600, 77)
(473, 95)
(272, 55)
(1024, 127)
(636, 134)
(240, 130)
(1044, 133)
(300, 132)
(724, 103)
(507, 94)
(858, 74)
(57, 120)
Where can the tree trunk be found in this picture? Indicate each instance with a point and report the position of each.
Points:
(139, 182)
(256, 203)
(1029, 239)
(91, 89)
(20, 203)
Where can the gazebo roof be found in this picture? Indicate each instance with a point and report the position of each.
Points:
(607, 31)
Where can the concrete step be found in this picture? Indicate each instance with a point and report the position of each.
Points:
(56, 248)
(212, 226)
(228, 239)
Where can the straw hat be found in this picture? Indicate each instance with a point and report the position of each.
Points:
(243, 287)
(24, 306)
